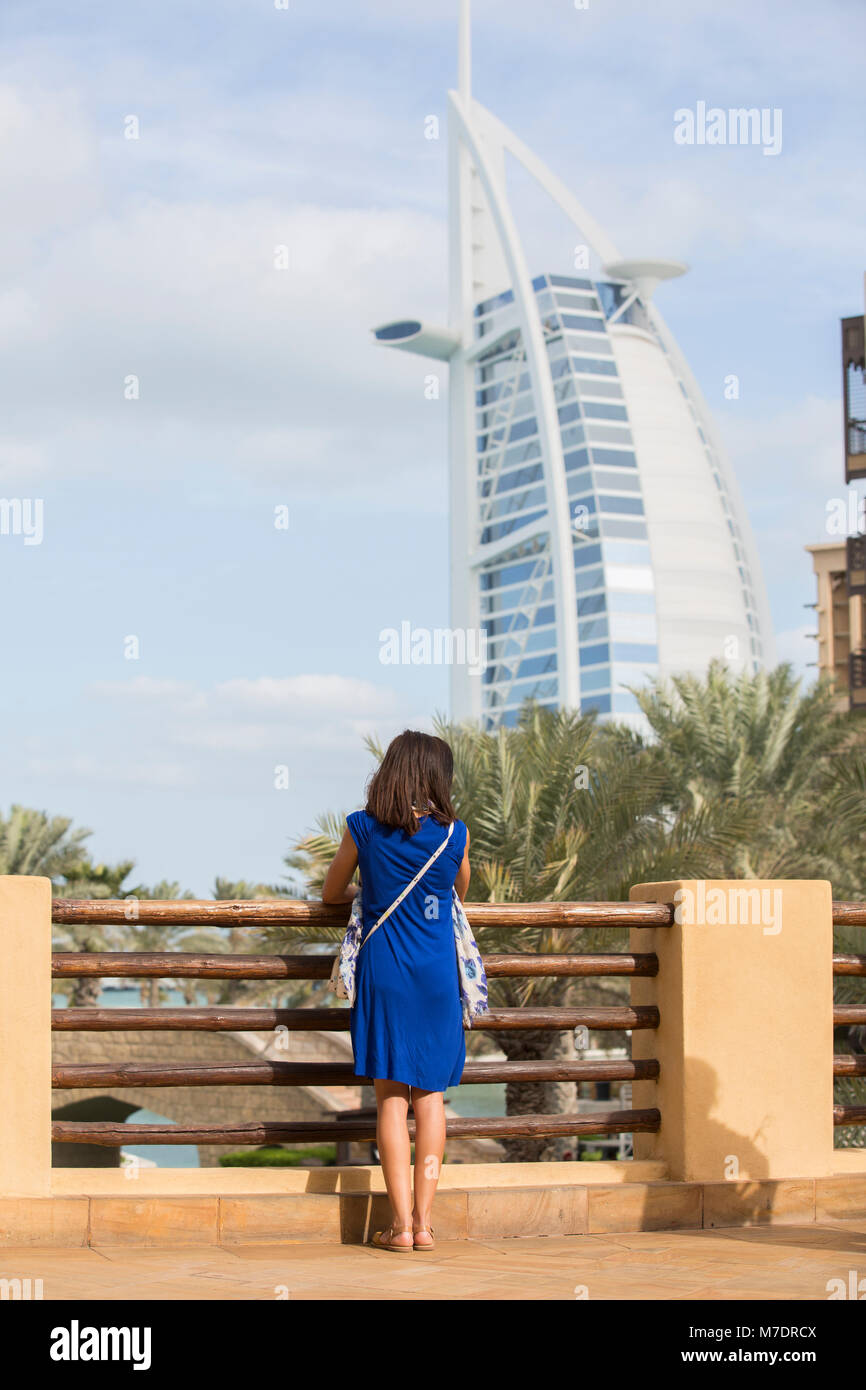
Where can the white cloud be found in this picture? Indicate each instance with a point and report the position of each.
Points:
(789, 464)
(82, 768)
(241, 368)
(276, 715)
(48, 168)
(309, 693)
(147, 690)
(282, 717)
(792, 452)
(22, 459)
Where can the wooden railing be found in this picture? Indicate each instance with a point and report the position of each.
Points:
(69, 965)
(849, 915)
(76, 965)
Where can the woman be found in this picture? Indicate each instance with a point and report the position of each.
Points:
(407, 1021)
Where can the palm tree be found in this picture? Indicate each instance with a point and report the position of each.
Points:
(83, 880)
(158, 936)
(32, 842)
(756, 740)
(245, 940)
(312, 854)
(90, 880)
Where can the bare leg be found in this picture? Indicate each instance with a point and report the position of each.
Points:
(429, 1110)
(392, 1141)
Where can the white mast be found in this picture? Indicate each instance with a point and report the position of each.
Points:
(486, 258)
(464, 53)
(465, 612)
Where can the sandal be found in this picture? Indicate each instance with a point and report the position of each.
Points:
(432, 1245)
(387, 1244)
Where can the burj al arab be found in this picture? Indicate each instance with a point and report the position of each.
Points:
(598, 537)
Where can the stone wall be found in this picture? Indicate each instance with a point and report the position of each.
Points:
(193, 1105)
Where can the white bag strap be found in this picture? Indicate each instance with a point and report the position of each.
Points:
(409, 886)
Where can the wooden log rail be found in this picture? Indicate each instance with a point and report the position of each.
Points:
(849, 1114)
(67, 965)
(154, 912)
(310, 966)
(238, 1019)
(313, 1131)
(96, 1075)
(848, 1014)
(68, 1076)
(849, 914)
(850, 1064)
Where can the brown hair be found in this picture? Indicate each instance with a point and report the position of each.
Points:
(416, 769)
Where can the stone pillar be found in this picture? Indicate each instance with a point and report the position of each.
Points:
(745, 1045)
(25, 1036)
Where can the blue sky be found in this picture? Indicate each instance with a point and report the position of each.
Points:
(260, 388)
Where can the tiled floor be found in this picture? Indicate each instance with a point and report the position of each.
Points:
(768, 1262)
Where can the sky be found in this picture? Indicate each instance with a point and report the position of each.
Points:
(182, 676)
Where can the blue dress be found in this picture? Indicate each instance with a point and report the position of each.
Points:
(407, 1019)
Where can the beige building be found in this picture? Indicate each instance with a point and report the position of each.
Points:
(841, 636)
(840, 566)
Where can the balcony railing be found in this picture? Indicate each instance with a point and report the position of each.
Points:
(855, 565)
(180, 965)
(854, 396)
(857, 680)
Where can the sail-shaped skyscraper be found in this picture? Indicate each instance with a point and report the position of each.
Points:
(597, 532)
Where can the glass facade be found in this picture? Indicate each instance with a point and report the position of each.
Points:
(616, 612)
(615, 617)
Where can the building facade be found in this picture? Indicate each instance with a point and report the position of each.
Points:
(597, 533)
(840, 566)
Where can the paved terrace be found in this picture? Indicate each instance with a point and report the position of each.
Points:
(769, 1263)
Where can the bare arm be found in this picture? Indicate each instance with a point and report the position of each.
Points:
(461, 883)
(337, 888)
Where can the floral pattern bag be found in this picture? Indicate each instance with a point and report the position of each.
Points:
(470, 967)
(342, 981)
